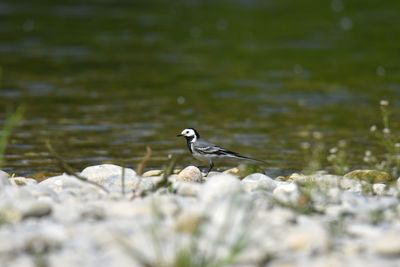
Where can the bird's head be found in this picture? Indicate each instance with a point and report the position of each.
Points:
(190, 134)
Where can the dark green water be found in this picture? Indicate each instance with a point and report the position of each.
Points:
(104, 79)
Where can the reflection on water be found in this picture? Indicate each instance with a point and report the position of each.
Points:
(105, 79)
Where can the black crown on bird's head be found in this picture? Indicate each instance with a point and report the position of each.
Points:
(195, 132)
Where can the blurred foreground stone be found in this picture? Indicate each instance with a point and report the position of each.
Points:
(315, 220)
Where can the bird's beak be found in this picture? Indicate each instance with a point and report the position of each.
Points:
(179, 135)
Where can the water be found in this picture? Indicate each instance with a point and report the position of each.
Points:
(104, 79)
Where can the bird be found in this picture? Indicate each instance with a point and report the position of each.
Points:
(206, 151)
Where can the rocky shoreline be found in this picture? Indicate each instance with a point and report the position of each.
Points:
(190, 220)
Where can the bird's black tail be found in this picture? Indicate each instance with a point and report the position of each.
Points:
(236, 155)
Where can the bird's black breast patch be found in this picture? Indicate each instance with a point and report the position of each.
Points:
(189, 145)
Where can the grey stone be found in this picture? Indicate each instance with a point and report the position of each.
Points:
(4, 179)
(173, 178)
(151, 173)
(220, 186)
(144, 185)
(65, 186)
(156, 180)
(387, 244)
(186, 189)
(60, 182)
(350, 185)
(298, 177)
(258, 181)
(308, 236)
(286, 192)
(22, 260)
(233, 171)
(379, 189)
(364, 230)
(17, 203)
(36, 209)
(4, 174)
(188, 222)
(398, 184)
(75, 223)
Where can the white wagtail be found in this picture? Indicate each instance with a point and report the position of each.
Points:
(203, 150)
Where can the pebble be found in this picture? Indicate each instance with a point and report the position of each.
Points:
(286, 192)
(233, 171)
(186, 189)
(364, 230)
(187, 222)
(64, 185)
(379, 189)
(210, 175)
(190, 174)
(350, 185)
(220, 186)
(387, 244)
(36, 209)
(73, 223)
(258, 181)
(297, 177)
(151, 173)
(4, 174)
(398, 184)
(4, 179)
(143, 185)
(308, 236)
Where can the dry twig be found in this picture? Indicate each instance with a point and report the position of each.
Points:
(143, 162)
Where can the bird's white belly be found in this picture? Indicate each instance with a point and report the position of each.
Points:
(204, 157)
(200, 157)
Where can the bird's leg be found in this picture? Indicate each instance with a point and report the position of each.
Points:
(200, 167)
(210, 166)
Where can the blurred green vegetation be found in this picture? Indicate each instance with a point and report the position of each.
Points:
(11, 120)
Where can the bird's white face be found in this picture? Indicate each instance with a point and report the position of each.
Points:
(188, 133)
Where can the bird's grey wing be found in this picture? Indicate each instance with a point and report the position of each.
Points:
(205, 147)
